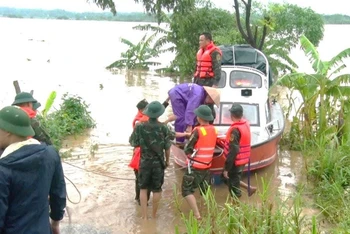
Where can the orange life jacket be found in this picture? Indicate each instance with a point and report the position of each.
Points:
(139, 117)
(135, 160)
(243, 155)
(30, 112)
(204, 63)
(205, 145)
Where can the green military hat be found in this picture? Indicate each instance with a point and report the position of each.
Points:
(14, 120)
(23, 97)
(154, 109)
(36, 105)
(204, 112)
(236, 109)
(142, 104)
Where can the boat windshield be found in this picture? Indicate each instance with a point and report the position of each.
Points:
(250, 112)
(244, 79)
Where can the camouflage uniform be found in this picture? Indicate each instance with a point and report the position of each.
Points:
(197, 178)
(234, 172)
(40, 133)
(153, 137)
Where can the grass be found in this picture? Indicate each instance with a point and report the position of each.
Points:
(329, 170)
(269, 215)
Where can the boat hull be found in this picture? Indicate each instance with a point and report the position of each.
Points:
(262, 155)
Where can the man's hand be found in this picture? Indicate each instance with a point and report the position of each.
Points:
(189, 129)
(55, 226)
(225, 174)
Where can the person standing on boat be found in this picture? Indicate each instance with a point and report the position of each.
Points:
(202, 142)
(237, 151)
(185, 98)
(208, 68)
(30, 105)
(32, 185)
(153, 138)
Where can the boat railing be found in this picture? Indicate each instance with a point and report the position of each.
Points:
(269, 126)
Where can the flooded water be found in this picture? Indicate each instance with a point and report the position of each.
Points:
(71, 56)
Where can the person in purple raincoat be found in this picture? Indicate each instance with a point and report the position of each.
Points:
(185, 98)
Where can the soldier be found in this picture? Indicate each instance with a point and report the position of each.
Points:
(237, 151)
(153, 138)
(29, 105)
(208, 69)
(30, 172)
(203, 141)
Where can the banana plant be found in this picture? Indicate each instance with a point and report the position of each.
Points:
(138, 55)
(49, 103)
(325, 85)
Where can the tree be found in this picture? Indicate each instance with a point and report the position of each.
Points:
(250, 32)
(325, 85)
(185, 28)
(276, 29)
(151, 6)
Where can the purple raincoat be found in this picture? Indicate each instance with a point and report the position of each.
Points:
(185, 98)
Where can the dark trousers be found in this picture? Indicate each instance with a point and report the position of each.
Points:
(204, 81)
(233, 183)
(137, 187)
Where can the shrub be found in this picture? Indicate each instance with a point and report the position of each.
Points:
(72, 118)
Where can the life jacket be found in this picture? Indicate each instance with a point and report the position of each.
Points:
(243, 155)
(30, 112)
(139, 117)
(204, 62)
(205, 145)
(135, 160)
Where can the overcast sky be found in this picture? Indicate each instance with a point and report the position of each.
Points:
(320, 6)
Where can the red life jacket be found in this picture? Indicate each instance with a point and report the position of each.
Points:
(135, 160)
(205, 145)
(204, 63)
(139, 117)
(244, 143)
(30, 112)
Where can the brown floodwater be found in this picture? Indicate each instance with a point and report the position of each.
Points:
(70, 57)
(106, 187)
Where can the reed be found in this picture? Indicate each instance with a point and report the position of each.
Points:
(270, 215)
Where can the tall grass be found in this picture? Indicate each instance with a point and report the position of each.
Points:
(270, 215)
(329, 169)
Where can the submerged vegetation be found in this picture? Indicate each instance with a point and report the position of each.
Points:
(321, 130)
(267, 28)
(72, 118)
(320, 127)
(270, 215)
(138, 56)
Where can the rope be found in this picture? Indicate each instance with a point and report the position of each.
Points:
(97, 173)
(75, 189)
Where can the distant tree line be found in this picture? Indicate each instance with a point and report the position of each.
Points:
(108, 16)
(66, 15)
